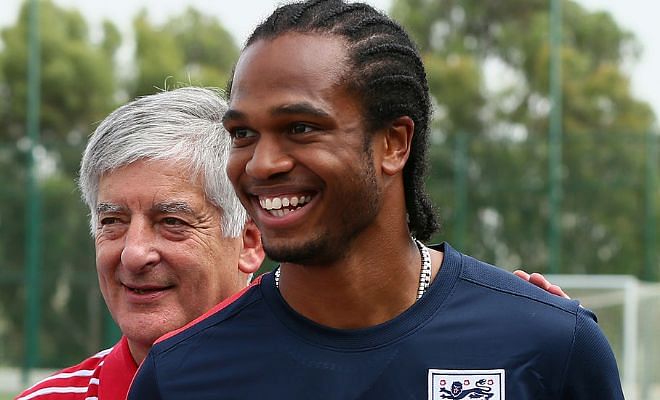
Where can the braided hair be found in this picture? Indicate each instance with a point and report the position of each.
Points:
(386, 71)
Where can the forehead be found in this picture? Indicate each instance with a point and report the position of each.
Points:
(149, 181)
(308, 63)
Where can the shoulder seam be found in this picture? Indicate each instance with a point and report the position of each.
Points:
(462, 276)
(572, 312)
(570, 354)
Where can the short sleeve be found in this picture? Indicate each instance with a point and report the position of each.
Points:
(592, 372)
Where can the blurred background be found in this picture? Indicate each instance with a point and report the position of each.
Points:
(544, 154)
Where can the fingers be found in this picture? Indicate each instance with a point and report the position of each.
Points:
(521, 274)
(556, 290)
(540, 281)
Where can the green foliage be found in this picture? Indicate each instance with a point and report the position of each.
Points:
(77, 82)
(158, 57)
(80, 85)
(77, 88)
(502, 217)
(188, 49)
(488, 70)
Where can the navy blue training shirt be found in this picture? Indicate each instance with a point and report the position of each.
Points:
(478, 333)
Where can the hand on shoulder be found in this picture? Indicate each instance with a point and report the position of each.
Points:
(541, 281)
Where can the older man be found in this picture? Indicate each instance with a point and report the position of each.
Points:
(172, 239)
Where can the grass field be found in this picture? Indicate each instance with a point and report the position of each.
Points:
(4, 396)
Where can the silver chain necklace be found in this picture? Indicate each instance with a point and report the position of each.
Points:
(424, 274)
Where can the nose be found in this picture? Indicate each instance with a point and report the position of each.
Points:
(269, 158)
(140, 246)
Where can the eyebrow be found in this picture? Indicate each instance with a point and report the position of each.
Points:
(299, 108)
(109, 208)
(287, 109)
(232, 114)
(172, 207)
(169, 207)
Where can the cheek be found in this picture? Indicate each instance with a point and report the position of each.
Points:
(197, 271)
(217, 276)
(200, 293)
(107, 262)
(236, 164)
(108, 256)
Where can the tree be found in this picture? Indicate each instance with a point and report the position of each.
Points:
(78, 88)
(488, 70)
(188, 49)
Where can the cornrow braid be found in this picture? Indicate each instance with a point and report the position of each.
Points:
(394, 50)
(341, 11)
(371, 21)
(302, 10)
(386, 71)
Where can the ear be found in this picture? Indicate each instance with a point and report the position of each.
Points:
(397, 142)
(252, 254)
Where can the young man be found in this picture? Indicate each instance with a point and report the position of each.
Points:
(329, 113)
(171, 236)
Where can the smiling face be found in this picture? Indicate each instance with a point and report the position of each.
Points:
(301, 161)
(160, 254)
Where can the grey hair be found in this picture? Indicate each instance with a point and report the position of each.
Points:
(183, 125)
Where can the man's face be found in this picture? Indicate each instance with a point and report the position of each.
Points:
(160, 254)
(301, 161)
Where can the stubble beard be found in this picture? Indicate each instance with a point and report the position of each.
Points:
(331, 244)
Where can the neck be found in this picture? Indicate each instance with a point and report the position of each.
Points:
(138, 351)
(375, 282)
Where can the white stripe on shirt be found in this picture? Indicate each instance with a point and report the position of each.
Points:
(65, 375)
(69, 389)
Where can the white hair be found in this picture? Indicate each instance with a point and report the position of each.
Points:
(183, 125)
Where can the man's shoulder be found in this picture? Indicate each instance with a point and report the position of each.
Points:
(212, 319)
(503, 283)
(70, 383)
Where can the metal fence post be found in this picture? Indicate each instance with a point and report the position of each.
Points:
(555, 140)
(650, 266)
(33, 209)
(460, 189)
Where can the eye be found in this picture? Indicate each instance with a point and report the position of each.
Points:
(242, 133)
(300, 127)
(110, 228)
(109, 221)
(172, 221)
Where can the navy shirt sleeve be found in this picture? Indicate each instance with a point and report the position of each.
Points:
(592, 372)
(144, 384)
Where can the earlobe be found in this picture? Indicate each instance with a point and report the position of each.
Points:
(398, 139)
(252, 254)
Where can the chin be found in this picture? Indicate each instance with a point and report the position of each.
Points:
(311, 252)
(146, 330)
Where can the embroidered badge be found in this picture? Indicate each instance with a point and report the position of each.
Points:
(487, 384)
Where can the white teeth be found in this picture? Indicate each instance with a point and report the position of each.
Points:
(276, 203)
(276, 213)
